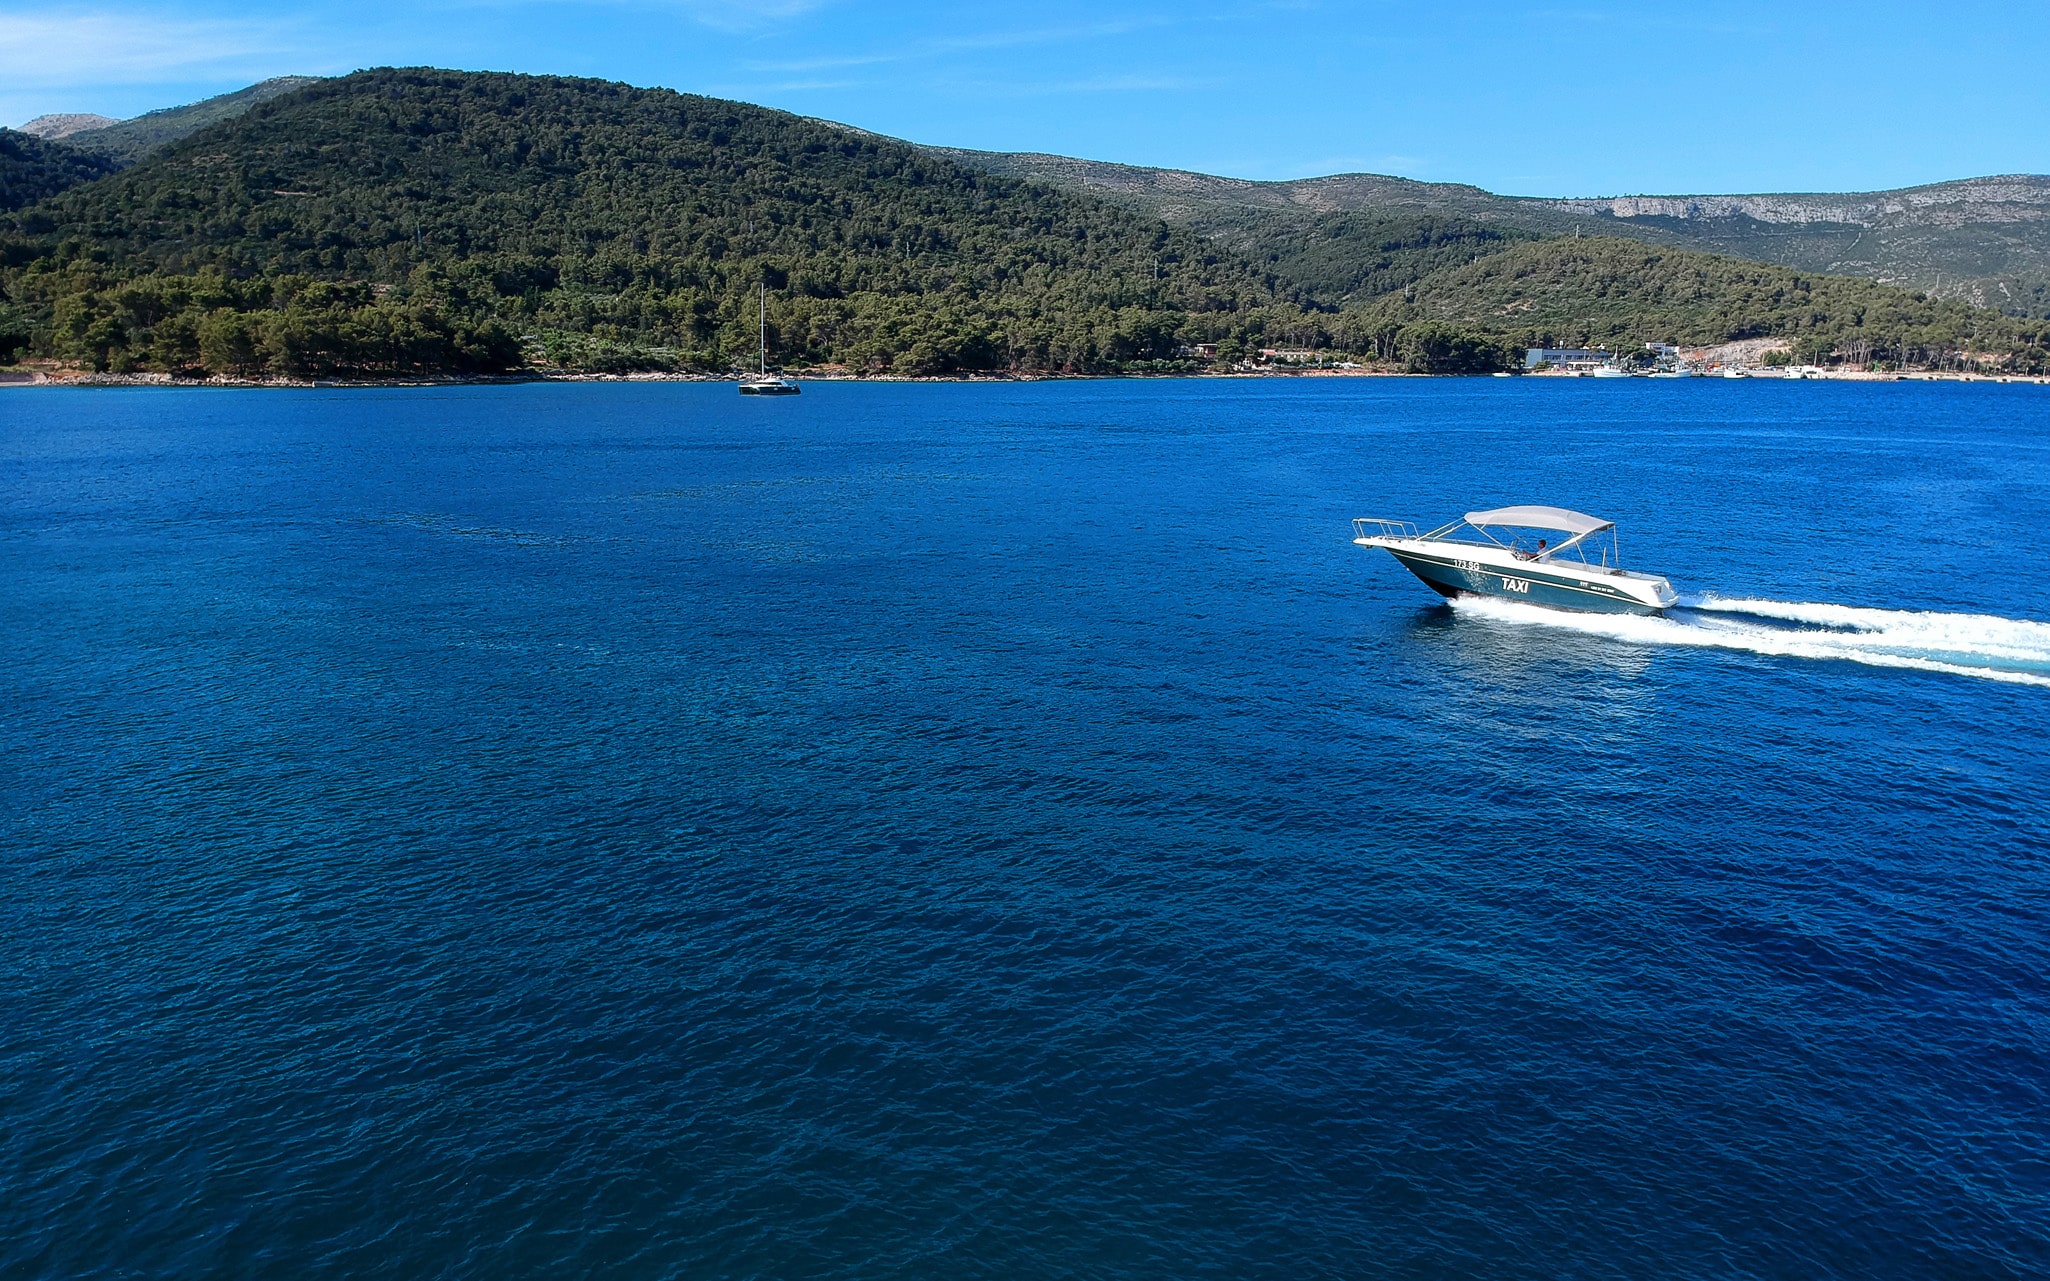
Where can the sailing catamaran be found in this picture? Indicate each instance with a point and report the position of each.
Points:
(762, 382)
(1583, 571)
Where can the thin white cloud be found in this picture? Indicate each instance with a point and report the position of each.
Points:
(734, 17)
(740, 17)
(777, 86)
(927, 49)
(40, 49)
(1043, 35)
(1085, 85)
(824, 64)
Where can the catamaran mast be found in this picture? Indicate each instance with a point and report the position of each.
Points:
(765, 329)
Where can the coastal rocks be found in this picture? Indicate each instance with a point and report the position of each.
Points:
(1745, 352)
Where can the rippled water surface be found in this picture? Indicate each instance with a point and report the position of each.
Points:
(1009, 831)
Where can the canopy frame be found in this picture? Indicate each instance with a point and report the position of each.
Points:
(1557, 519)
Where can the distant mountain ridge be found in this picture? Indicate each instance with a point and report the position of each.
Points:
(1180, 193)
(2015, 197)
(64, 124)
(54, 153)
(1982, 240)
(127, 141)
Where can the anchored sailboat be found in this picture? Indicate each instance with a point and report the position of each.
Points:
(762, 382)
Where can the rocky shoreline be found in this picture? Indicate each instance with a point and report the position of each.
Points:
(77, 378)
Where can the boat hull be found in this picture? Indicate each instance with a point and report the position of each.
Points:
(1451, 575)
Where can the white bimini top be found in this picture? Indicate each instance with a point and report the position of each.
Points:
(1557, 518)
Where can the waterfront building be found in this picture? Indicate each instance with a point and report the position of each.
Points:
(1574, 359)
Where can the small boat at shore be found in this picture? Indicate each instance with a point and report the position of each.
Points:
(1496, 553)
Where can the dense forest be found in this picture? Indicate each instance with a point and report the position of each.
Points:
(33, 168)
(129, 141)
(1347, 258)
(1623, 293)
(1979, 240)
(400, 222)
(411, 220)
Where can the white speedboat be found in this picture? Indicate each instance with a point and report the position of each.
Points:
(1503, 553)
(1610, 371)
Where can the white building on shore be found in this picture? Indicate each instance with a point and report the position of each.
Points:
(1574, 360)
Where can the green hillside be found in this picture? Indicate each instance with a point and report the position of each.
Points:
(1984, 241)
(1348, 258)
(1584, 292)
(396, 220)
(33, 168)
(127, 142)
(421, 221)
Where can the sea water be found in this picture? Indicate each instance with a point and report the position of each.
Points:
(1010, 831)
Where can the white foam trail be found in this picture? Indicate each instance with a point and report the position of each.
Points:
(1982, 645)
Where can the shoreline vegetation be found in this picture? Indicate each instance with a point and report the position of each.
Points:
(397, 226)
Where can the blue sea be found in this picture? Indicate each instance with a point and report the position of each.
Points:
(1009, 831)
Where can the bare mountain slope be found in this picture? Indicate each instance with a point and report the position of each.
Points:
(64, 124)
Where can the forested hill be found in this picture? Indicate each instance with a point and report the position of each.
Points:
(1613, 292)
(33, 168)
(1982, 240)
(398, 222)
(127, 141)
(421, 219)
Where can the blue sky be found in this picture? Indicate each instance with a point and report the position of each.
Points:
(1589, 99)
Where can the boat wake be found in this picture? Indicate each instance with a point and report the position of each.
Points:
(1980, 645)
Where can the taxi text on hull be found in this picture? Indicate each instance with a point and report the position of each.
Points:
(1538, 555)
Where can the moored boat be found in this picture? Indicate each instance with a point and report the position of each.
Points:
(762, 382)
(1501, 553)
